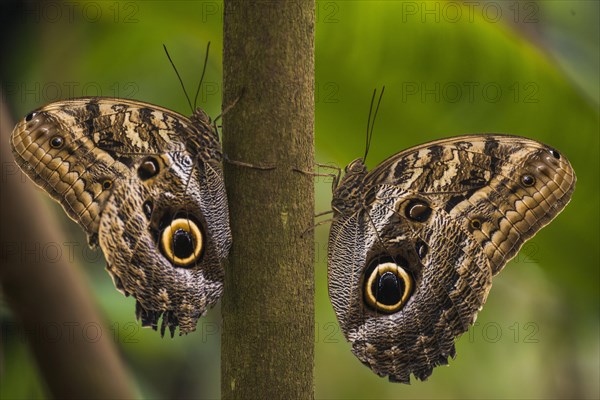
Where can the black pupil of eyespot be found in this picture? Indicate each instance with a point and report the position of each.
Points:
(29, 117)
(183, 243)
(528, 180)
(388, 289)
(56, 141)
(555, 154)
(106, 184)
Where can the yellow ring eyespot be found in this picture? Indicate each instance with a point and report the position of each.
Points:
(182, 242)
(388, 287)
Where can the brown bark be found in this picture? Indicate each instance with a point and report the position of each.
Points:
(268, 310)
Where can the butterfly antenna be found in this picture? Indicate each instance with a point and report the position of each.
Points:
(179, 77)
(371, 129)
(202, 76)
(368, 139)
(375, 115)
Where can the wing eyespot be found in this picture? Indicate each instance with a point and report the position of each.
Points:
(57, 142)
(475, 224)
(182, 242)
(187, 161)
(107, 184)
(417, 210)
(421, 248)
(149, 168)
(527, 180)
(387, 287)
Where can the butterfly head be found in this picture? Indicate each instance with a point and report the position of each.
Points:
(349, 187)
(356, 167)
(200, 116)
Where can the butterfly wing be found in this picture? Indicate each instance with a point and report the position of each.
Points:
(70, 148)
(413, 250)
(146, 184)
(169, 256)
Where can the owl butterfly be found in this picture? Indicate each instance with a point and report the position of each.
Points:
(146, 184)
(414, 243)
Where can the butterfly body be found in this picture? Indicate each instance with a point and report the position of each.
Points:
(146, 185)
(414, 243)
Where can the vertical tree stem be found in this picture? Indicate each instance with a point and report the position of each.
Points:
(268, 310)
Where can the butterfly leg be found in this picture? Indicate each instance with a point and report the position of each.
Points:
(229, 107)
(313, 227)
(248, 165)
(335, 176)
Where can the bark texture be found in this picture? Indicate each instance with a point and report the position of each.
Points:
(268, 310)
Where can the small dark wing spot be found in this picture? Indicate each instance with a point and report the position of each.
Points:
(148, 168)
(57, 142)
(421, 248)
(148, 207)
(527, 180)
(475, 224)
(418, 210)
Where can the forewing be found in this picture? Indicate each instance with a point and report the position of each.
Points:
(103, 139)
(501, 188)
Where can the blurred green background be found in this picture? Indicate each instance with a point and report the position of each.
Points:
(529, 68)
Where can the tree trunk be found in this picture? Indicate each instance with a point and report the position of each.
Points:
(268, 310)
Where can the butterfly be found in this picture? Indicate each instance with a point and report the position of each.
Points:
(146, 185)
(415, 242)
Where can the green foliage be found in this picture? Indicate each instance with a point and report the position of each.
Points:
(538, 334)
